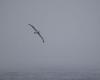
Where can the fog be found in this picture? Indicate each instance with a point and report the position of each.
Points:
(71, 29)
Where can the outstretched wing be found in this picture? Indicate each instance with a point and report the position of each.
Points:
(33, 27)
(41, 36)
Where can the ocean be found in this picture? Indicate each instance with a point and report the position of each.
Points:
(51, 75)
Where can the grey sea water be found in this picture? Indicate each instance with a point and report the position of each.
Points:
(51, 75)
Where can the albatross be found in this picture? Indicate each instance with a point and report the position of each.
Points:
(37, 32)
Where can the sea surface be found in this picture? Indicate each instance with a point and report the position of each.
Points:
(51, 75)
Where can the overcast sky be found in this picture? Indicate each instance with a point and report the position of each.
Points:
(71, 29)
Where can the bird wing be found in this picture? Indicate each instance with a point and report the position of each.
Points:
(41, 37)
(33, 27)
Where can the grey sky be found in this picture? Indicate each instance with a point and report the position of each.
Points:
(71, 29)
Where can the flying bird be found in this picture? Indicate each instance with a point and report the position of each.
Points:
(37, 32)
